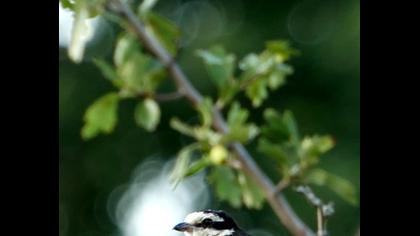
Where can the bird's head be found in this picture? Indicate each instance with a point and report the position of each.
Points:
(207, 223)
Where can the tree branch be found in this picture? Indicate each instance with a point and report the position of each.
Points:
(278, 203)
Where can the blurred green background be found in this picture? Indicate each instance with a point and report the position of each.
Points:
(323, 93)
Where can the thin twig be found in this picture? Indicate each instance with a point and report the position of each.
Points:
(320, 222)
(161, 97)
(323, 211)
(284, 183)
(165, 97)
(278, 203)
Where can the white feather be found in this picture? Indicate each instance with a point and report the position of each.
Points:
(197, 217)
(209, 232)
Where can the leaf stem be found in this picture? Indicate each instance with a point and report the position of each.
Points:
(284, 183)
(165, 97)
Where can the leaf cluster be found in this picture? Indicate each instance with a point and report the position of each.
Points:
(135, 74)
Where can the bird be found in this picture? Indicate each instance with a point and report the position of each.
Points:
(209, 223)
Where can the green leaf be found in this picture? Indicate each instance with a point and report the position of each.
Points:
(281, 49)
(340, 186)
(242, 134)
(68, 4)
(184, 167)
(147, 114)
(197, 166)
(101, 116)
(205, 108)
(277, 77)
(219, 65)
(281, 128)
(257, 92)
(81, 32)
(252, 195)
(226, 185)
(239, 130)
(290, 123)
(263, 71)
(255, 66)
(227, 93)
(313, 147)
(141, 73)
(249, 63)
(182, 163)
(276, 130)
(108, 72)
(274, 151)
(236, 115)
(127, 46)
(164, 30)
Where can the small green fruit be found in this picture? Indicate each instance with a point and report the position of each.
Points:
(218, 154)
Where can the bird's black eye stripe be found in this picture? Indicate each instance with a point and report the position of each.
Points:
(208, 223)
(223, 225)
(205, 223)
